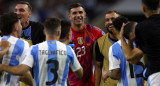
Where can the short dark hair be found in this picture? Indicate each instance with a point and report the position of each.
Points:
(65, 28)
(151, 4)
(7, 22)
(51, 25)
(117, 22)
(25, 2)
(75, 5)
(112, 11)
(130, 27)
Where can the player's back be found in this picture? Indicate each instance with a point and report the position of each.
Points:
(51, 63)
(14, 56)
(130, 73)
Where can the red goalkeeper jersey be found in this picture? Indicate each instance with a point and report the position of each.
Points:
(83, 41)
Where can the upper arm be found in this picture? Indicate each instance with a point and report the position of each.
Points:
(29, 59)
(23, 51)
(79, 73)
(114, 62)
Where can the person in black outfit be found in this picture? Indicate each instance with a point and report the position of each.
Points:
(147, 41)
(31, 31)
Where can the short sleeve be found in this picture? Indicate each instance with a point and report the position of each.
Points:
(29, 61)
(23, 51)
(114, 62)
(74, 65)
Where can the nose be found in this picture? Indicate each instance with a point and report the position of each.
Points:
(110, 21)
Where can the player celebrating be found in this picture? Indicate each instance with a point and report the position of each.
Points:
(50, 59)
(11, 29)
(120, 69)
(83, 35)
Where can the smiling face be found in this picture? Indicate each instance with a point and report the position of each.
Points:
(108, 20)
(23, 12)
(77, 16)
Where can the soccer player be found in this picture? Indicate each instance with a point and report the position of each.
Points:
(66, 35)
(11, 29)
(83, 35)
(147, 41)
(50, 59)
(101, 49)
(120, 69)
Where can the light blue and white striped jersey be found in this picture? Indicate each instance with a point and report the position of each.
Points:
(14, 57)
(50, 61)
(129, 72)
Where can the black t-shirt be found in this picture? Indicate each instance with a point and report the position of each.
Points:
(33, 32)
(148, 40)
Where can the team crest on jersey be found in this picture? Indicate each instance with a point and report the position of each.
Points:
(80, 40)
(5, 36)
(51, 42)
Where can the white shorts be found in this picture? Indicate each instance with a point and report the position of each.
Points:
(154, 79)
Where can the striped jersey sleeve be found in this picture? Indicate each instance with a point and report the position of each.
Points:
(51, 61)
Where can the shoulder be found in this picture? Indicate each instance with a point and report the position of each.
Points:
(94, 28)
(143, 25)
(36, 24)
(116, 45)
(103, 37)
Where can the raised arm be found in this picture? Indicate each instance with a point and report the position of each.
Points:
(131, 54)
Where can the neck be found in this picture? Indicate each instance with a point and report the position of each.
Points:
(64, 41)
(150, 13)
(118, 36)
(112, 36)
(77, 27)
(25, 24)
(14, 34)
(51, 37)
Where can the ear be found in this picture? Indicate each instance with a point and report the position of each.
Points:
(15, 27)
(69, 16)
(143, 7)
(30, 13)
(132, 36)
(85, 14)
(59, 33)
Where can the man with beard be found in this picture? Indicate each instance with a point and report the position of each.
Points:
(31, 31)
(101, 49)
(84, 36)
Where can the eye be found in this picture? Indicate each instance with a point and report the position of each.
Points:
(107, 20)
(80, 12)
(74, 13)
(21, 10)
(112, 19)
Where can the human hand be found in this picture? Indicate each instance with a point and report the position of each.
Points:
(122, 30)
(105, 76)
(4, 45)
